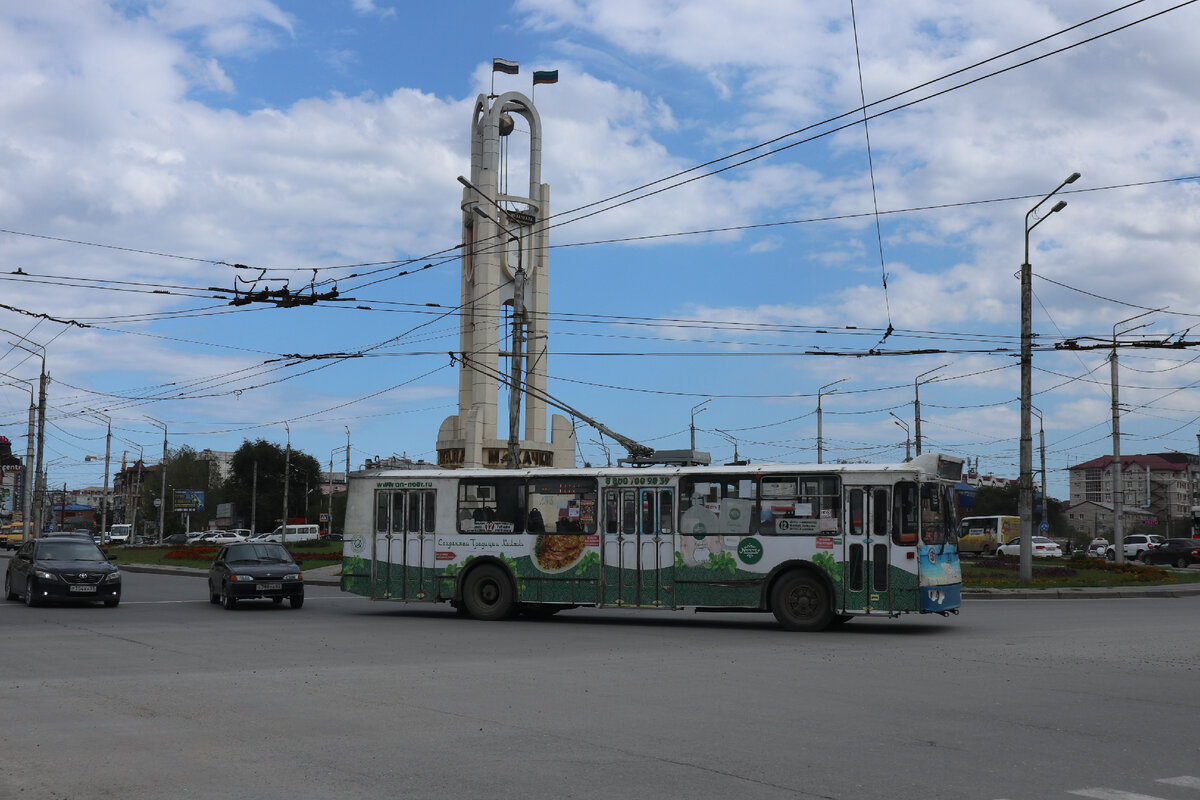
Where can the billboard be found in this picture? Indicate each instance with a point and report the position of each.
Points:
(187, 500)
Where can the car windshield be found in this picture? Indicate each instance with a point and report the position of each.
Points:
(267, 553)
(69, 551)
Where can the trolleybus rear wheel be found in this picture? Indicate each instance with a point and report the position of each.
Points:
(801, 603)
(488, 593)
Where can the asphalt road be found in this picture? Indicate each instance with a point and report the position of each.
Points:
(168, 696)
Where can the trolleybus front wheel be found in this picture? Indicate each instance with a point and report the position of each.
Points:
(800, 602)
(488, 593)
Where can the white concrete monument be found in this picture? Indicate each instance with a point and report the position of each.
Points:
(505, 246)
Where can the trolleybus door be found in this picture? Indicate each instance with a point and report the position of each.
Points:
(638, 551)
(865, 579)
(404, 551)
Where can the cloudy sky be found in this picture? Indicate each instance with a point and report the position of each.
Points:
(755, 240)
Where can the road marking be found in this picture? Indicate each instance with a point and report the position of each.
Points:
(1101, 793)
(1186, 781)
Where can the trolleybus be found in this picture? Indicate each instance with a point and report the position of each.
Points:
(813, 544)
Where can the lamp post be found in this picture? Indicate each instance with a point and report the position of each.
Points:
(729, 437)
(29, 472)
(162, 491)
(697, 409)
(907, 436)
(1042, 447)
(917, 404)
(820, 440)
(39, 468)
(1025, 484)
(104, 497)
(1118, 481)
(287, 467)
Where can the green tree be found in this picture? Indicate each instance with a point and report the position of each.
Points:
(186, 471)
(268, 460)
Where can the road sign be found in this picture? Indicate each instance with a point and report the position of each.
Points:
(1044, 527)
(324, 517)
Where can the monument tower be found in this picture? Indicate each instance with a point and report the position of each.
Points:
(505, 286)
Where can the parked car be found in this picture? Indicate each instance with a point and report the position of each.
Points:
(1135, 545)
(176, 538)
(1042, 547)
(250, 570)
(1176, 552)
(1097, 548)
(62, 568)
(225, 537)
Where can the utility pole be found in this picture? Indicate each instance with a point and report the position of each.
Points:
(1118, 481)
(30, 477)
(104, 497)
(820, 439)
(917, 404)
(162, 493)
(907, 437)
(39, 469)
(1025, 482)
(287, 466)
(697, 409)
(254, 498)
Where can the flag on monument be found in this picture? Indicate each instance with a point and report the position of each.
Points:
(545, 76)
(505, 66)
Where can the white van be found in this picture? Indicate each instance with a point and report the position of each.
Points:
(294, 533)
(119, 533)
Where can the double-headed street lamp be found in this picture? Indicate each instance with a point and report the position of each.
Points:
(820, 438)
(917, 404)
(1025, 484)
(907, 436)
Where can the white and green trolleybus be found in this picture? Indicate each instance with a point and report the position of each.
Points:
(814, 544)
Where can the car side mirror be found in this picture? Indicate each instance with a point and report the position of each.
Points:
(110, 556)
(299, 561)
(25, 557)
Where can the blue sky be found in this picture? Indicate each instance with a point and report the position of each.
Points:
(320, 134)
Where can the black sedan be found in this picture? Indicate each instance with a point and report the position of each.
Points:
(62, 568)
(1176, 552)
(250, 570)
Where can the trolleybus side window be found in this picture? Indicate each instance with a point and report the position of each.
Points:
(803, 505)
(562, 505)
(905, 520)
(492, 505)
(718, 504)
(938, 514)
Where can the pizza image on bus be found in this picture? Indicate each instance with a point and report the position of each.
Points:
(555, 552)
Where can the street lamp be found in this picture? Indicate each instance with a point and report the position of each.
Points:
(820, 441)
(729, 437)
(162, 492)
(907, 436)
(1025, 484)
(1118, 481)
(104, 497)
(917, 404)
(697, 409)
(39, 468)
(1042, 447)
(30, 471)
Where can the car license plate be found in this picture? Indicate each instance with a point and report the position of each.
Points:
(270, 587)
(78, 587)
